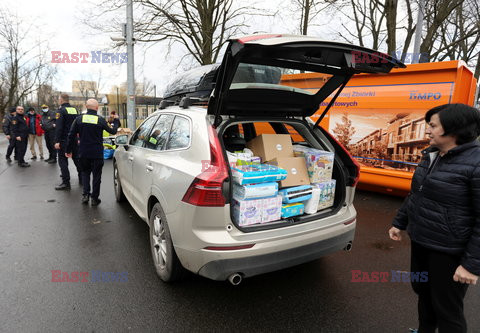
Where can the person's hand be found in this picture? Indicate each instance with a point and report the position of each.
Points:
(395, 234)
(68, 155)
(57, 146)
(54, 125)
(8, 137)
(463, 276)
(19, 138)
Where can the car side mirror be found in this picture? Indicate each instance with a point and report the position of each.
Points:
(121, 139)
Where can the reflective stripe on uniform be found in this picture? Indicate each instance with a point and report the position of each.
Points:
(71, 110)
(153, 140)
(89, 119)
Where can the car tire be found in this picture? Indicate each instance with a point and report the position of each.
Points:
(165, 260)
(117, 185)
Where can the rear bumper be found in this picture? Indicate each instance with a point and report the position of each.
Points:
(254, 265)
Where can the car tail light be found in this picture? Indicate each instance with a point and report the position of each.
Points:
(206, 188)
(356, 165)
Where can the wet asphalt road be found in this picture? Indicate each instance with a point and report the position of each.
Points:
(45, 230)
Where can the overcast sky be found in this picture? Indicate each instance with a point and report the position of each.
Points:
(57, 21)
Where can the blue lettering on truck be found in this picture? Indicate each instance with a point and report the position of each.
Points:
(425, 96)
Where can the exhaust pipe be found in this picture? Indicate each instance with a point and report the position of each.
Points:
(235, 279)
(348, 247)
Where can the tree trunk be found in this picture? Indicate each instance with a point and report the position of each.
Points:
(391, 17)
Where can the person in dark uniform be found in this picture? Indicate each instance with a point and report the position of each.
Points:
(20, 133)
(90, 127)
(7, 130)
(65, 116)
(48, 125)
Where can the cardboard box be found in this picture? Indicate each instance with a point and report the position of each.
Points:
(270, 146)
(296, 170)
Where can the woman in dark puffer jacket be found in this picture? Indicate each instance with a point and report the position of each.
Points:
(442, 217)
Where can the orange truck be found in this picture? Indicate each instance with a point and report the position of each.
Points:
(380, 118)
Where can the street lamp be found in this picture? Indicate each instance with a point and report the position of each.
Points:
(127, 30)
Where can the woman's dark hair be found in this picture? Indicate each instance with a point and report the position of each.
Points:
(459, 120)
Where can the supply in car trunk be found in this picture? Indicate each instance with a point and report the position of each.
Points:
(255, 191)
(296, 170)
(296, 194)
(270, 146)
(290, 210)
(327, 193)
(319, 163)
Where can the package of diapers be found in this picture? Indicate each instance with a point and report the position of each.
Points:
(319, 163)
(255, 191)
(257, 173)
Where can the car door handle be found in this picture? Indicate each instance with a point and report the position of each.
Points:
(130, 158)
(149, 167)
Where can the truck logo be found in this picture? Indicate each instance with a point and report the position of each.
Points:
(425, 96)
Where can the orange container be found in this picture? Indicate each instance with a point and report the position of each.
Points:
(380, 117)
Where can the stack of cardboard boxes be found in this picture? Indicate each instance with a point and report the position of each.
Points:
(304, 175)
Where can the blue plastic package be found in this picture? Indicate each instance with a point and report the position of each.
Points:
(257, 173)
(296, 193)
(293, 209)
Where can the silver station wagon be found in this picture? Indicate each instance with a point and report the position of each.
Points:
(176, 172)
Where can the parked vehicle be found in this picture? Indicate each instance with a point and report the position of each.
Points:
(174, 169)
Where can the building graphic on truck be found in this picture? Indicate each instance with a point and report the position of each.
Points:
(398, 146)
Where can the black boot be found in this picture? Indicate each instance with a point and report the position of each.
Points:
(85, 199)
(23, 164)
(96, 202)
(62, 187)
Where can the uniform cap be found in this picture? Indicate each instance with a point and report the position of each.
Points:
(44, 106)
(13, 109)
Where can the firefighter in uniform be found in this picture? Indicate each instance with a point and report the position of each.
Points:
(7, 130)
(65, 116)
(20, 133)
(90, 127)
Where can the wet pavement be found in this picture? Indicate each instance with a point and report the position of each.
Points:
(45, 230)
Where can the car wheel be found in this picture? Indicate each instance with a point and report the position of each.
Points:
(119, 195)
(165, 259)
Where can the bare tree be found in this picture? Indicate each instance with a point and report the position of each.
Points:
(459, 35)
(390, 7)
(436, 12)
(202, 27)
(23, 63)
(368, 18)
(309, 10)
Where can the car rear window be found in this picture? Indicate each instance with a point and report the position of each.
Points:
(250, 76)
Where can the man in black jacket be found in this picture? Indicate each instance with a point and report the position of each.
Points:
(20, 133)
(442, 217)
(48, 125)
(65, 116)
(90, 127)
(7, 130)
